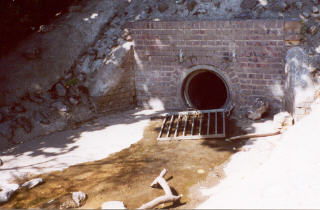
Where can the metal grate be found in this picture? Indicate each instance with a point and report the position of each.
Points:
(198, 124)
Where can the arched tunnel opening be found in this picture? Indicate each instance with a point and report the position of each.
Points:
(204, 89)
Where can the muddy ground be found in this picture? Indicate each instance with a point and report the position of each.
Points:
(126, 175)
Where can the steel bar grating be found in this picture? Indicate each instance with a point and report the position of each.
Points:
(200, 124)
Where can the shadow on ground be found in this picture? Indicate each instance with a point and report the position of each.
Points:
(126, 175)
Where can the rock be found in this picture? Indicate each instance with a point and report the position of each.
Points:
(113, 205)
(248, 4)
(60, 90)
(162, 6)
(282, 120)
(191, 5)
(33, 183)
(60, 106)
(258, 109)
(18, 108)
(36, 98)
(67, 201)
(40, 117)
(312, 30)
(306, 14)
(6, 130)
(1, 117)
(216, 3)
(73, 101)
(280, 6)
(46, 28)
(24, 123)
(315, 9)
(79, 198)
(200, 11)
(260, 9)
(31, 54)
(298, 5)
(244, 15)
(7, 191)
(81, 77)
(180, 1)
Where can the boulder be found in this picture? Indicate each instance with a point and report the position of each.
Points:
(60, 90)
(200, 11)
(280, 6)
(298, 5)
(73, 101)
(24, 123)
(312, 30)
(113, 205)
(60, 106)
(32, 183)
(162, 6)
(258, 109)
(17, 108)
(41, 117)
(180, 1)
(36, 98)
(191, 5)
(248, 4)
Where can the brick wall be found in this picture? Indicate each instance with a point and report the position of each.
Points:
(248, 53)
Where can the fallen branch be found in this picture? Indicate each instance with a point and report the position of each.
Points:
(254, 135)
(168, 197)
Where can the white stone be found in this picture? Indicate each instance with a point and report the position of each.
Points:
(32, 183)
(79, 197)
(113, 205)
(7, 191)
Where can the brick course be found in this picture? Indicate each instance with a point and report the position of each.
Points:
(249, 53)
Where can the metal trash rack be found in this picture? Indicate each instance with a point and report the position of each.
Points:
(198, 124)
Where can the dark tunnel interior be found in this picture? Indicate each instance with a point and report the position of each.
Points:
(206, 90)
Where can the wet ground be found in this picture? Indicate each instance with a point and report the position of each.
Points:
(126, 175)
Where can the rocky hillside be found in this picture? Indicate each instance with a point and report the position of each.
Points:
(53, 77)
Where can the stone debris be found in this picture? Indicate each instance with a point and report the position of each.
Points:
(113, 205)
(18, 108)
(32, 183)
(24, 123)
(258, 109)
(60, 90)
(67, 201)
(312, 30)
(60, 106)
(7, 191)
(315, 9)
(248, 4)
(79, 198)
(162, 6)
(282, 120)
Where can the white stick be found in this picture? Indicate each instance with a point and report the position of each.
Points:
(168, 197)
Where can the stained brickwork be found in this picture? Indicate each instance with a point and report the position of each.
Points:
(248, 53)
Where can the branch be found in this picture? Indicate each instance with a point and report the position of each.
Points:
(168, 197)
(255, 135)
